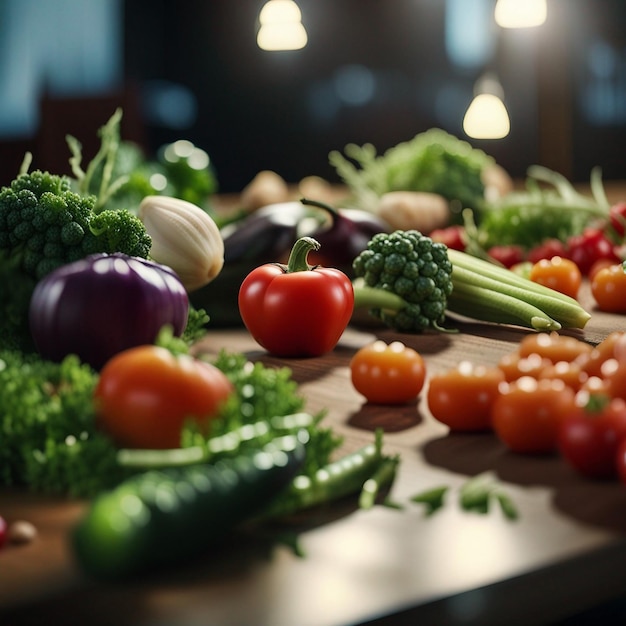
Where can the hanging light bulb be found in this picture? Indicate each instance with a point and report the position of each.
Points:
(486, 116)
(520, 13)
(281, 26)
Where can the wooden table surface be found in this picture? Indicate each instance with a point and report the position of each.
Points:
(566, 552)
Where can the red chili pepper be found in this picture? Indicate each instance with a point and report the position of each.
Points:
(296, 309)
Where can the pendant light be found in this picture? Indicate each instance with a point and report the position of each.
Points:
(520, 13)
(486, 116)
(281, 26)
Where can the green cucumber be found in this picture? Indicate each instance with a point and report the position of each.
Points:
(164, 516)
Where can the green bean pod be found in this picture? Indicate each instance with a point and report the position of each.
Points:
(338, 479)
(167, 515)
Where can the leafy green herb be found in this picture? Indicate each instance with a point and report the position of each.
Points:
(550, 207)
(433, 161)
(50, 442)
(433, 498)
(474, 496)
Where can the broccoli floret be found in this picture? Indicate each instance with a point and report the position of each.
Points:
(117, 230)
(407, 279)
(45, 225)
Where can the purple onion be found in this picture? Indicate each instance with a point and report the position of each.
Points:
(103, 304)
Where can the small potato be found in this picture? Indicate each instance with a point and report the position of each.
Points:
(267, 187)
(414, 210)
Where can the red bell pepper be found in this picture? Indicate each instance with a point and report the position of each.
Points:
(296, 310)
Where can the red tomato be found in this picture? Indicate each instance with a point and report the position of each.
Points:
(589, 437)
(145, 395)
(588, 247)
(452, 236)
(461, 398)
(507, 255)
(553, 346)
(557, 273)
(296, 310)
(617, 217)
(608, 287)
(546, 250)
(388, 374)
(527, 413)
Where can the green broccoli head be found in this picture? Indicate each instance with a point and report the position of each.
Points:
(412, 267)
(44, 225)
(117, 230)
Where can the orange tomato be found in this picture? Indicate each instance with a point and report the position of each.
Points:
(570, 372)
(514, 365)
(608, 287)
(553, 346)
(527, 413)
(612, 346)
(558, 273)
(388, 373)
(145, 395)
(614, 378)
(461, 398)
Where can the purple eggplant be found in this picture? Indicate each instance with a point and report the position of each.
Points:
(346, 236)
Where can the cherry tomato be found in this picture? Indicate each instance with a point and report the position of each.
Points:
(596, 385)
(558, 273)
(589, 437)
(570, 372)
(546, 250)
(614, 377)
(617, 218)
(461, 398)
(452, 237)
(593, 361)
(145, 395)
(588, 247)
(527, 413)
(608, 287)
(388, 374)
(515, 365)
(508, 256)
(553, 346)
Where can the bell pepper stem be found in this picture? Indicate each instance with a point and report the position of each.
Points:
(298, 256)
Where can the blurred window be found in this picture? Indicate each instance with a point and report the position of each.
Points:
(65, 48)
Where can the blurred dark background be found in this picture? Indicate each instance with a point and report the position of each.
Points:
(372, 71)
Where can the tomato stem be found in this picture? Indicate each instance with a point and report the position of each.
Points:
(298, 256)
